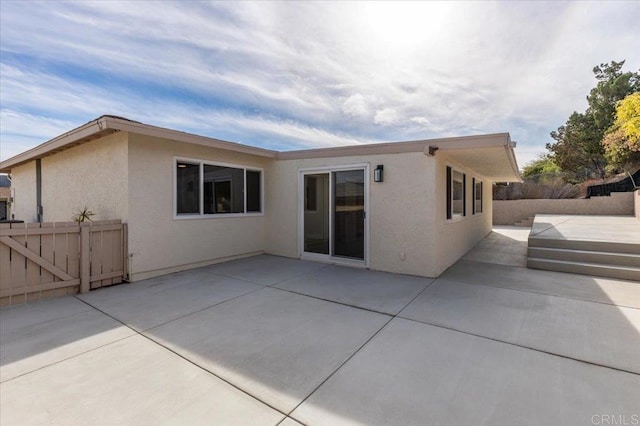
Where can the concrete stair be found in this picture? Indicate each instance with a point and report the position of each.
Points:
(600, 258)
(525, 223)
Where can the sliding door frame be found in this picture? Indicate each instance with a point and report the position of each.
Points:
(329, 258)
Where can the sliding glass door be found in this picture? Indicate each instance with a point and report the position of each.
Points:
(316, 213)
(334, 213)
(348, 213)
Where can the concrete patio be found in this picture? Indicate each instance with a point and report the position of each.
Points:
(270, 340)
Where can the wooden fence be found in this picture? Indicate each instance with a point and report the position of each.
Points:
(39, 260)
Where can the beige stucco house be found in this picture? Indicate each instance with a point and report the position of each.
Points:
(191, 200)
(5, 197)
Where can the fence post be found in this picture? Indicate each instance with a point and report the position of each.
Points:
(85, 258)
(125, 251)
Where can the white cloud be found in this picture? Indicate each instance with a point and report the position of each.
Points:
(386, 116)
(355, 106)
(309, 74)
(422, 121)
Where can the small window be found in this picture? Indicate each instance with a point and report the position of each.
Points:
(188, 188)
(477, 196)
(254, 202)
(223, 189)
(456, 194)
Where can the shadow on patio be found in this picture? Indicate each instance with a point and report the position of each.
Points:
(483, 344)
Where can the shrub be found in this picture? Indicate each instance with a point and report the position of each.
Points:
(532, 190)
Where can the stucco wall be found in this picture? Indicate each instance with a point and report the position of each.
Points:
(456, 237)
(636, 203)
(131, 177)
(512, 211)
(158, 243)
(400, 210)
(23, 184)
(92, 175)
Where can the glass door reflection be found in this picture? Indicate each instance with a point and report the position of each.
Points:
(316, 213)
(348, 213)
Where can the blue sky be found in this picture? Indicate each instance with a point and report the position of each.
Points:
(290, 75)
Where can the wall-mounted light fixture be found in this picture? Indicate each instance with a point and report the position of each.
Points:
(378, 173)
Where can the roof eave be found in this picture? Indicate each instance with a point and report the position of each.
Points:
(162, 132)
(85, 133)
(106, 124)
(497, 143)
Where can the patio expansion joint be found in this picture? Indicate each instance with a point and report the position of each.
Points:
(69, 357)
(139, 333)
(556, 296)
(546, 293)
(356, 351)
(553, 225)
(200, 310)
(333, 301)
(595, 364)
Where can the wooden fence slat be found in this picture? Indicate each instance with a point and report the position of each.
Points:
(5, 263)
(73, 254)
(47, 252)
(18, 268)
(85, 263)
(18, 261)
(33, 269)
(31, 255)
(107, 253)
(60, 246)
(60, 254)
(125, 250)
(96, 255)
(117, 254)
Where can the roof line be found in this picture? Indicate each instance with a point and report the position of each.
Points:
(458, 142)
(125, 125)
(63, 140)
(108, 124)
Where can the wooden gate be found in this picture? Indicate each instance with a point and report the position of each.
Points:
(39, 260)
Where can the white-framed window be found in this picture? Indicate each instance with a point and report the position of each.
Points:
(456, 193)
(477, 196)
(206, 189)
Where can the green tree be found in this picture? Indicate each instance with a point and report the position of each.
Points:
(542, 169)
(613, 86)
(578, 148)
(622, 141)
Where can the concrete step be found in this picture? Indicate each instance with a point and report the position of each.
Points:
(601, 246)
(585, 256)
(602, 270)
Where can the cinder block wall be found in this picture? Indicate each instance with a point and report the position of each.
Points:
(618, 204)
